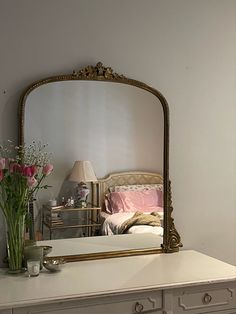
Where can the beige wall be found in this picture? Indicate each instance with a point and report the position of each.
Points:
(184, 48)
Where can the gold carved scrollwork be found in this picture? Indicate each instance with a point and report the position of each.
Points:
(173, 239)
(97, 72)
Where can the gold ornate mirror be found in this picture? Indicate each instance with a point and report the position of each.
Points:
(122, 127)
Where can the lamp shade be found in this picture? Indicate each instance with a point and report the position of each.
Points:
(82, 171)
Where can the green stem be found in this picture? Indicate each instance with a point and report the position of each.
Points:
(15, 241)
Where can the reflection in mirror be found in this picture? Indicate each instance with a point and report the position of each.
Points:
(120, 128)
(116, 127)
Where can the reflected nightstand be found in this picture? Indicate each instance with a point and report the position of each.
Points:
(60, 218)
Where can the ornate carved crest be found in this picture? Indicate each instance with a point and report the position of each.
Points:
(98, 72)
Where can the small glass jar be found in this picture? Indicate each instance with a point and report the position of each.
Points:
(34, 253)
(33, 267)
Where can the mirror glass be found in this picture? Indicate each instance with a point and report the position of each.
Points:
(116, 127)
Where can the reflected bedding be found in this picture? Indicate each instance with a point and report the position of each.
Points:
(130, 222)
(133, 209)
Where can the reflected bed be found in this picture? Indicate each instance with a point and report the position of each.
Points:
(132, 203)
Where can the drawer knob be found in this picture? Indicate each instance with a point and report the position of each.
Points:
(206, 298)
(138, 307)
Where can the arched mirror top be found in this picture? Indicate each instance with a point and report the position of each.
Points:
(126, 168)
(91, 73)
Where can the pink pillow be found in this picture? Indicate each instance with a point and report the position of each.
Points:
(132, 201)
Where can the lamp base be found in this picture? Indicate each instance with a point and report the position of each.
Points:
(82, 195)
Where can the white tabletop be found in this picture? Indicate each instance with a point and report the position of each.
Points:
(118, 275)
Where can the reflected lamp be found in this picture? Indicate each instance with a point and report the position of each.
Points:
(82, 172)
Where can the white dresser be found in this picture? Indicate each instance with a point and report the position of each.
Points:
(183, 282)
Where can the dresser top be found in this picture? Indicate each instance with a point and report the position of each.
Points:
(117, 275)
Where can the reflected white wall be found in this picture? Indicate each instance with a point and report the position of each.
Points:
(116, 126)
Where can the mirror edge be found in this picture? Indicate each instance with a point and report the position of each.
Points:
(171, 238)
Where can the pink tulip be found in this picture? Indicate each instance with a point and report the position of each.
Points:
(27, 171)
(1, 175)
(47, 169)
(14, 167)
(34, 170)
(30, 171)
(31, 181)
(2, 163)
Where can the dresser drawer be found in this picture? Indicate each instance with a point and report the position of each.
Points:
(126, 304)
(195, 299)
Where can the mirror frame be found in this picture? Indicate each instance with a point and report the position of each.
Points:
(171, 238)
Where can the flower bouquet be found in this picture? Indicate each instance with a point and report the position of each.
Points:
(22, 171)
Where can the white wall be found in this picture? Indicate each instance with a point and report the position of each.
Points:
(184, 48)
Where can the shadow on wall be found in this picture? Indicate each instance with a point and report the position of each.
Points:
(9, 131)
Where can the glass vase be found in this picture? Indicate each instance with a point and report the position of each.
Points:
(15, 243)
